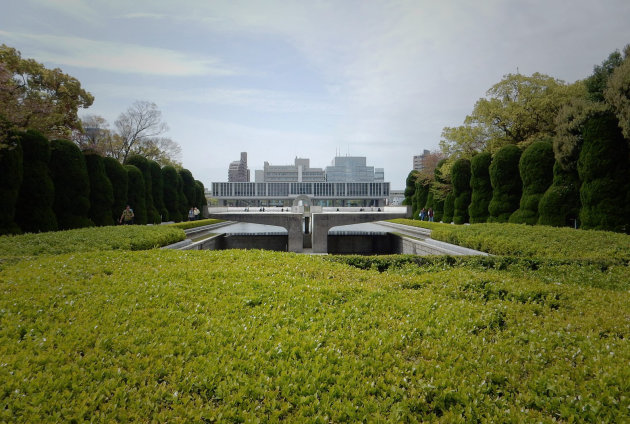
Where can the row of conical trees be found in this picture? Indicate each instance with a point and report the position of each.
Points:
(529, 186)
(52, 185)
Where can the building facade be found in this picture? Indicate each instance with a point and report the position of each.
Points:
(348, 182)
(238, 171)
(418, 160)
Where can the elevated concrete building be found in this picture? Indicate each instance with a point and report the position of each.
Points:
(418, 160)
(238, 171)
(348, 182)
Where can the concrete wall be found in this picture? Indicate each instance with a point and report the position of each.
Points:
(361, 244)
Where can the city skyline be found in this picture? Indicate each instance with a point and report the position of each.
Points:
(379, 79)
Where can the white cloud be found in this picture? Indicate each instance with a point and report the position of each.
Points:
(119, 57)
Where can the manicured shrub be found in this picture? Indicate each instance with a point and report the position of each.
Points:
(189, 190)
(72, 185)
(118, 177)
(439, 183)
(143, 165)
(536, 170)
(481, 187)
(420, 198)
(157, 184)
(101, 191)
(603, 170)
(201, 196)
(460, 176)
(430, 200)
(410, 187)
(449, 208)
(170, 179)
(506, 183)
(11, 164)
(182, 200)
(37, 194)
(560, 205)
(136, 194)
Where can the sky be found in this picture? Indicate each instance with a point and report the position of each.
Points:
(309, 79)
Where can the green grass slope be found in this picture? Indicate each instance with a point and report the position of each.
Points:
(246, 336)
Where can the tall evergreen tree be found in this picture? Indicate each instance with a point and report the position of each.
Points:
(201, 195)
(157, 184)
(420, 197)
(410, 187)
(460, 176)
(560, 205)
(506, 183)
(72, 185)
(143, 165)
(11, 164)
(170, 179)
(536, 170)
(136, 192)
(449, 208)
(37, 193)
(101, 190)
(603, 169)
(189, 189)
(117, 175)
(481, 187)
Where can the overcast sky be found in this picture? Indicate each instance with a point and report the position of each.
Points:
(280, 79)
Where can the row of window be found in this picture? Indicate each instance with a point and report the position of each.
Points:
(235, 189)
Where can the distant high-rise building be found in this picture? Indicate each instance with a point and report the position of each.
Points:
(418, 160)
(300, 171)
(238, 171)
(353, 169)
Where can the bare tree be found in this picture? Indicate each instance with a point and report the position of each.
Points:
(141, 122)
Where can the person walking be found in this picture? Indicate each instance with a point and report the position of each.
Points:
(127, 216)
(430, 214)
(191, 214)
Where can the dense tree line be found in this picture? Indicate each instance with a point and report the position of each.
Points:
(49, 185)
(538, 151)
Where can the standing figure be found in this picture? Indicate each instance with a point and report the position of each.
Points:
(127, 216)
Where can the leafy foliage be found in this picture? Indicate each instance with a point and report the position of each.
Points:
(410, 187)
(101, 191)
(560, 205)
(11, 163)
(481, 187)
(157, 186)
(192, 224)
(171, 180)
(242, 336)
(536, 170)
(140, 162)
(449, 208)
(506, 183)
(136, 194)
(603, 169)
(534, 241)
(128, 237)
(72, 185)
(34, 97)
(460, 175)
(118, 177)
(37, 192)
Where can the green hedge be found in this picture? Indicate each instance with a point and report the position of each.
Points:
(11, 164)
(481, 187)
(127, 237)
(136, 194)
(72, 185)
(603, 169)
(506, 183)
(157, 184)
(534, 241)
(460, 176)
(247, 336)
(560, 205)
(536, 170)
(37, 192)
(192, 224)
(118, 177)
(101, 190)
(140, 162)
(171, 180)
(449, 208)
